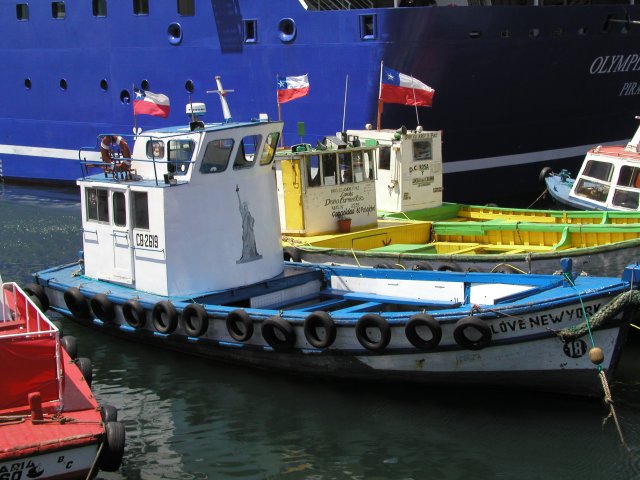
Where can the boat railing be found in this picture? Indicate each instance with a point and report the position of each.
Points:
(338, 4)
(30, 342)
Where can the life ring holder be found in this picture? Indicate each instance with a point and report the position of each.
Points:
(77, 304)
(474, 323)
(134, 313)
(316, 321)
(194, 320)
(279, 334)
(103, 308)
(419, 322)
(373, 320)
(239, 325)
(164, 317)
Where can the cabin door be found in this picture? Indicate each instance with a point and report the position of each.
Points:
(121, 237)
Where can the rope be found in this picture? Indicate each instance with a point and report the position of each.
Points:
(612, 412)
(542, 195)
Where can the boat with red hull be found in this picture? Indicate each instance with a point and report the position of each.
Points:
(51, 426)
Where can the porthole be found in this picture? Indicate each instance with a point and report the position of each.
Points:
(63, 84)
(144, 84)
(188, 86)
(175, 33)
(104, 86)
(27, 83)
(125, 97)
(287, 28)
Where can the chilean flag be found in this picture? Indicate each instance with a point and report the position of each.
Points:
(149, 103)
(396, 87)
(290, 88)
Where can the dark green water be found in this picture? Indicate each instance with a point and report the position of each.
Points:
(190, 418)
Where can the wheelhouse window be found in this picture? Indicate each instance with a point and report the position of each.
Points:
(329, 169)
(140, 210)
(384, 157)
(97, 204)
(594, 182)
(216, 156)
(22, 11)
(99, 8)
(627, 193)
(180, 152)
(422, 150)
(119, 209)
(58, 10)
(246, 153)
(269, 149)
(186, 8)
(155, 149)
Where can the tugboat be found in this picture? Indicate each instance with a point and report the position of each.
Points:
(182, 250)
(51, 426)
(609, 179)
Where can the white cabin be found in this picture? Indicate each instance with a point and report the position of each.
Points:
(198, 211)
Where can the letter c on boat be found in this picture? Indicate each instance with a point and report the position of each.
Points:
(279, 334)
(373, 321)
(194, 320)
(312, 325)
(477, 341)
(422, 322)
(164, 317)
(134, 313)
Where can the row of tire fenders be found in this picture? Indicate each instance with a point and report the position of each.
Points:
(276, 331)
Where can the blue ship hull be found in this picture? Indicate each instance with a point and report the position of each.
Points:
(516, 87)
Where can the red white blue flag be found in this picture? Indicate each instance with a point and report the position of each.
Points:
(290, 88)
(149, 103)
(396, 87)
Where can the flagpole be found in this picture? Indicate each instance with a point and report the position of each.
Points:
(415, 102)
(344, 110)
(380, 103)
(135, 123)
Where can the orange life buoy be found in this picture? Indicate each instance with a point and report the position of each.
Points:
(111, 141)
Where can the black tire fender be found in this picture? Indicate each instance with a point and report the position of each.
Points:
(103, 308)
(421, 321)
(239, 325)
(164, 317)
(134, 313)
(544, 173)
(279, 334)
(86, 368)
(422, 266)
(77, 304)
(473, 323)
(35, 290)
(70, 345)
(291, 254)
(313, 324)
(109, 413)
(372, 320)
(112, 447)
(194, 320)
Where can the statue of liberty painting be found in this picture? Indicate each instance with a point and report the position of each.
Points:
(249, 249)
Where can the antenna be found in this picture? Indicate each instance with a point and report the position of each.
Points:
(223, 101)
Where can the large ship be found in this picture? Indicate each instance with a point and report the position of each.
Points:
(519, 84)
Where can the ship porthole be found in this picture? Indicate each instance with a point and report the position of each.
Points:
(104, 86)
(188, 86)
(175, 33)
(125, 97)
(287, 28)
(27, 83)
(63, 84)
(144, 84)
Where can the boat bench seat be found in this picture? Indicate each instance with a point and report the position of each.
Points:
(403, 248)
(372, 297)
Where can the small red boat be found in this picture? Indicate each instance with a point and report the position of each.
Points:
(51, 426)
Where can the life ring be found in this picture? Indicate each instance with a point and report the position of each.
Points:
(291, 254)
(239, 325)
(34, 290)
(77, 304)
(423, 321)
(84, 364)
(483, 333)
(372, 320)
(279, 334)
(164, 317)
(314, 323)
(112, 448)
(103, 308)
(134, 313)
(70, 345)
(107, 143)
(194, 320)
